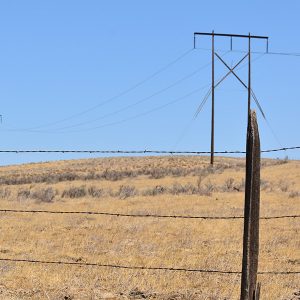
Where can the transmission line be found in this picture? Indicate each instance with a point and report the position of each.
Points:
(137, 102)
(119, 95)
(296, 54)
(123, 120)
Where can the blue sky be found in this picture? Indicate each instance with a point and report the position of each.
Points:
(61, 58)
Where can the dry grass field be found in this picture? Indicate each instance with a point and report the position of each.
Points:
(156, 185)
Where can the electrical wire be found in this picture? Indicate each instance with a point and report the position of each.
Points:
(137, 102)
(117, 96)
(266, 120)
(123, 120)
(296, 54)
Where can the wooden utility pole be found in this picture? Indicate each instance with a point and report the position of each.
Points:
(212, 144)
(231, 71)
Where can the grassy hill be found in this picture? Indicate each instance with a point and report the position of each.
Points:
(147, 185)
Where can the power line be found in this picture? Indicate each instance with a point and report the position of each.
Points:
(118, 110)
(142, 215)
(143, 99)
(282, 53)
(115, 266)
(123, 93)
(143, 151)
(130, 118)
(139, 101)
(202, 103)
(255, 52)
(187, 127)
(266, 120)
(126, 119)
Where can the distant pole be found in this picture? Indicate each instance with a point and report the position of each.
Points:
(212, 101)
(249, 75)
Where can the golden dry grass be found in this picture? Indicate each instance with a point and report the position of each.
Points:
(181, 243)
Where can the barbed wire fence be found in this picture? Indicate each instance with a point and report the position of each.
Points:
(140, 215)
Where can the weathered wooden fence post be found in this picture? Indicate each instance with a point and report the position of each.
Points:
(250, 290)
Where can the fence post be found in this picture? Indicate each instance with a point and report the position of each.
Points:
(250, 290)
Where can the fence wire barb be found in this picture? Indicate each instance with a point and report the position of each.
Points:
(141, 267)
(142, 215)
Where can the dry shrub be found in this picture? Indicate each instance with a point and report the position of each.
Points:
(38, 178)
(283, 185)
(157, 173)
(24, 194)
(113, 175)
(5, 193)
(229, 184)
(265, 185)
(74, 192)
(177, 189)
(43, 195)
(126, 191)
(239, 187)
(158, 190)
(210, 187)
(294, 194)
(191, 189)
(95, 192)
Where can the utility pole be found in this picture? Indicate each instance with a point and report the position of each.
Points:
(231, 71)
(212, 144)
(249, 75)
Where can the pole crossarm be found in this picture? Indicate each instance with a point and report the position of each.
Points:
(232, 35)
(230, 69)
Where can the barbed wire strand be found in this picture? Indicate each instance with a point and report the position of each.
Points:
(142, 267)
(143, 215)
(143, 151)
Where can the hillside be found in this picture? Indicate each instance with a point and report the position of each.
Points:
(176, 185)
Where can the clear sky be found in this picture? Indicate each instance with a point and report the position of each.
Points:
(61, 60)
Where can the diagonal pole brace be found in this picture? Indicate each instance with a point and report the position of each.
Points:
(231, 70)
